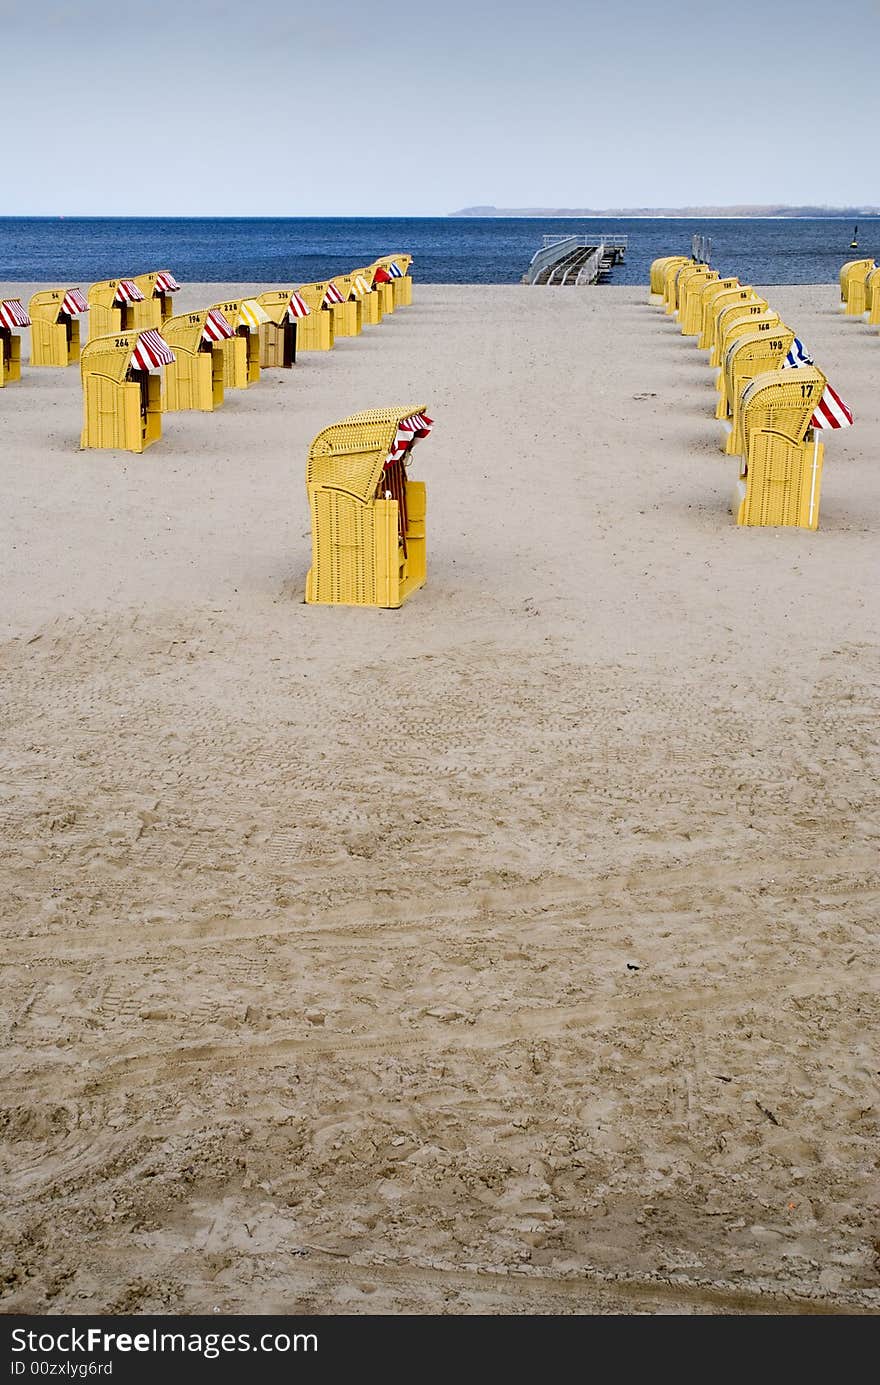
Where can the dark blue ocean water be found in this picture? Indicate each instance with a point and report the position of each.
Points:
(447, 250)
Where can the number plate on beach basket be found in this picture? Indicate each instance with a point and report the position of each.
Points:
(368, 517)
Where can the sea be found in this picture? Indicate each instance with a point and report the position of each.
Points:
(446, 250)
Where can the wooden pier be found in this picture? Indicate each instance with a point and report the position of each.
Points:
(575, 260)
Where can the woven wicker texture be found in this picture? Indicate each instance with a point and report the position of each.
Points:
(854, 286)
(690, 306)
(359, 556)
(781, 401)
(117, 412)
(850, 273)
(748, 356)
(716, 296)
(658, 271)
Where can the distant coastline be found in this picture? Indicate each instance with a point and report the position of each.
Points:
(673, 213)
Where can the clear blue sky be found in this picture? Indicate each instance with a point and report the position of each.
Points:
(278, 107)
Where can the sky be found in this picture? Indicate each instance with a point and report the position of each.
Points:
(393, 108)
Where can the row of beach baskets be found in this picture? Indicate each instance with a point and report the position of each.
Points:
(773, 401)
(860, 290)
(367, 515)
(143, 360)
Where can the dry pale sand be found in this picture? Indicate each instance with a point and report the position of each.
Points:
(515, 952)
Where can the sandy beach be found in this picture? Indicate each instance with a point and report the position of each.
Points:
(513, 952)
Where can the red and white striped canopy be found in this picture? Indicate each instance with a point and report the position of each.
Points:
(128, 292)
(381, 276)
(151, 352)
(166, 283)
(12, 313)
(74, 303)
(831, 412)
(332, 296)
(409, 431)
(216, 327)
(297, 307)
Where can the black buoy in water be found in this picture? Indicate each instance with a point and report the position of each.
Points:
(854, 243)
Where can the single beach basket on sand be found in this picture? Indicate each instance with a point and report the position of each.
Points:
(12, 318)
(194, 379)
(315, 333)
(55, 315)
(241, 351)
(368, 517)
(853, 286)
(111, 306)
(121, 380)
(285, 310)
(872, 305)
(749, 355)
(780, 475)
(157, 307)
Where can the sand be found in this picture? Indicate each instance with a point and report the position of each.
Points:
(514, 952)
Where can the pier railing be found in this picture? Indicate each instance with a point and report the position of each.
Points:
(558, 260)
(612, 242)
(549, 254)
(589, 270)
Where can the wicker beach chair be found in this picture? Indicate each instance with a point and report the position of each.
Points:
(121, 380)
(55, 335)
(657, 279)
(780, 475)
(348, 314)
(316, 332)
(710, 294)
(749, 355)
(241, 351)
(872, 305)
(399, 267)
(382, 284)
(368, 517)
(112, 304)
(690, 308)
(733, 316)
(157, 307)
(714, 305)
(285, 310)
(853, 287)
(370, 300)
(12, 319)
(194, 379)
